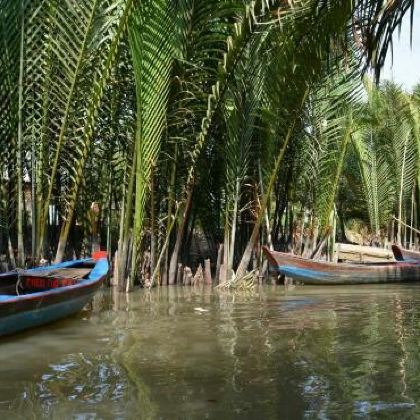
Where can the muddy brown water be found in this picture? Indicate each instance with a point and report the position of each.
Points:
(194, 353)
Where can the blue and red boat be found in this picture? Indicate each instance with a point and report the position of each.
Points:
(41, 295)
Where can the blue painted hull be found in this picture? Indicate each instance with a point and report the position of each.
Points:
(43, 315)
(315, 277)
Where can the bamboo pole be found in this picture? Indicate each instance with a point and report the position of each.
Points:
(407, 226)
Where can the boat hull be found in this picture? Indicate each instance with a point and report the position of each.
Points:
(316, 277)
(326, 273)
(44, 315)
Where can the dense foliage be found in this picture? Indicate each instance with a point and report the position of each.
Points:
(161, 127)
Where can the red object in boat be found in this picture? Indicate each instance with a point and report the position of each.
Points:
(97, 255)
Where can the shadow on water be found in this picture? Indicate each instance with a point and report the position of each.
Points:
(200, 353)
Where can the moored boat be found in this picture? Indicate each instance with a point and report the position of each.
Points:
(402, 254)
(328, 273)
(38, 296)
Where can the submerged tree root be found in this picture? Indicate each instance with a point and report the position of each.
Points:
(246, 282)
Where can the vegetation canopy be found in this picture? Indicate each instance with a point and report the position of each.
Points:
(174, 131)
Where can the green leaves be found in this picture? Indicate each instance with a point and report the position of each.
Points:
(387, 147)
(218, 89)
(153, 47)
(69, 49)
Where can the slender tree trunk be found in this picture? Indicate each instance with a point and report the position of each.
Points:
(164, 249)
(231, 254)
(109, 215)
(118, 280)
(266, 218)
(139, 205)
(291, 219)
(125, 224)
(416, 241)
(179, 236)
(164, 274)
(169, 224)
(412, 217)
(42, 158)
(321, 245)
(33, 204)
(400, 199)
(152, 223)
(224, 270)
(19, 155)
(207, 272)
(219, 262)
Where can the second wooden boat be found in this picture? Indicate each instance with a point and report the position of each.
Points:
(327, 273)
(402, 254)
(42, 295)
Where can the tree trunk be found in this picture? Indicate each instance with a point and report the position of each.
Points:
(231, 253)
(219, 262)
(207, 272)
(152, 224)
(11, 252)
(171, 200)
(164, 250)
(125, 223)
(108, 216)
(33, 205)
(318, 249)
(400, 196)
(19, 156)
(411, 245)
(180, 273)
(179, 235)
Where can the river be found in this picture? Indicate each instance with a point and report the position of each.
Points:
(194, 353)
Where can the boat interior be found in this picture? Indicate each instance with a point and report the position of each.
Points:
(25, 282)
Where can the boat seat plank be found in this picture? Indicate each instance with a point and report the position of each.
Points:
(361, 254)
(65, 273)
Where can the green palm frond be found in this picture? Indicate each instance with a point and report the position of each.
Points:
(386, 145)
(110, 24)
(153, 47)
(377, 186)
(69, 49)
(374, 25)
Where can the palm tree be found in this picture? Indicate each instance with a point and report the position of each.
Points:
(185, 116)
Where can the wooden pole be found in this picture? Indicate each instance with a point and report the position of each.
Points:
(404, 224)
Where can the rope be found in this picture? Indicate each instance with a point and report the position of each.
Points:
(20, 272)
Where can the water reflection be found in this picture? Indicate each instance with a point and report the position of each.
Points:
(199, 353)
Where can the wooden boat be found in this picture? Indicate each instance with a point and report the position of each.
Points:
(327, 273)
(41, 295)
(402, 254)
